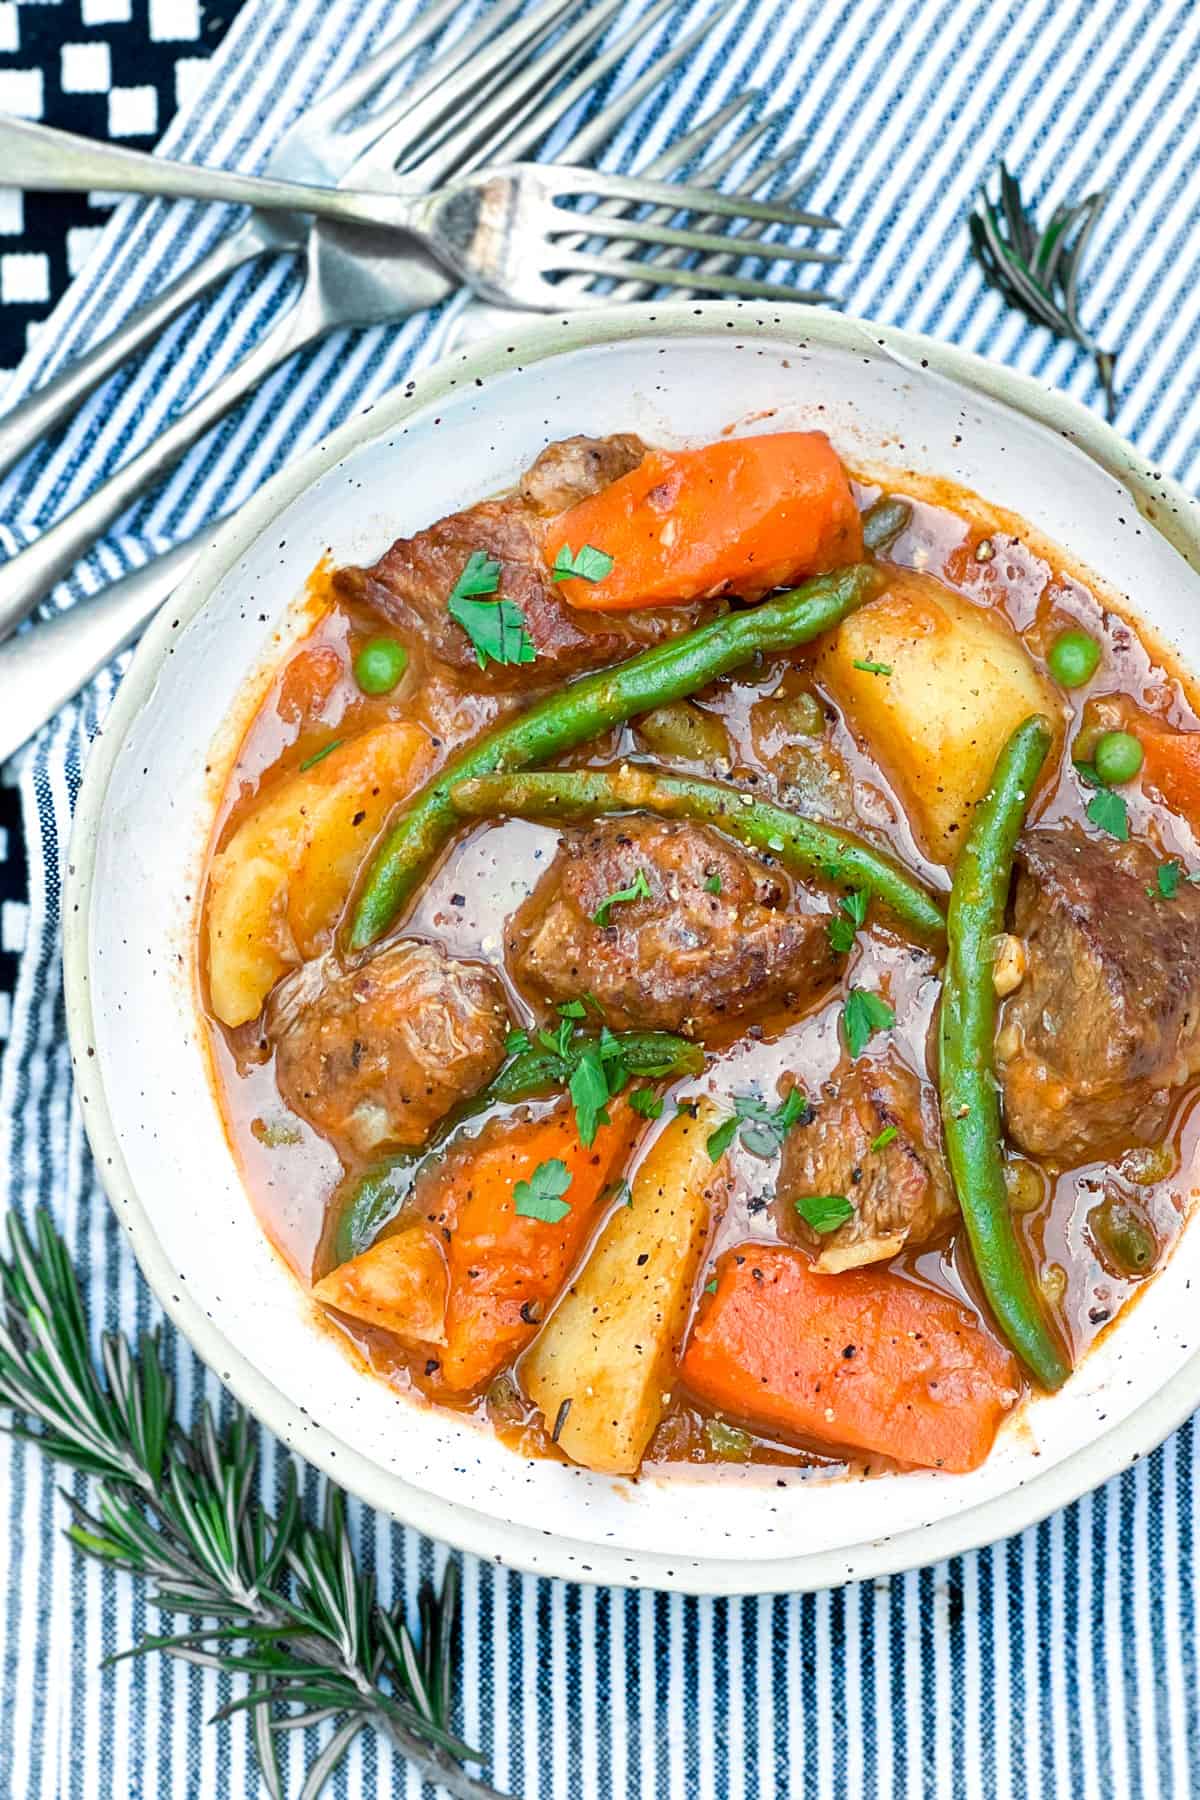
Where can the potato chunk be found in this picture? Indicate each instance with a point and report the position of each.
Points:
(960, 681)
(609, 1346)
(399, 1283)
(282, 879)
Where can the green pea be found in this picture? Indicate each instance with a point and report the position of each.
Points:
(1123, 1237)
(1074, 658)
(1117, 757)
(379, 665)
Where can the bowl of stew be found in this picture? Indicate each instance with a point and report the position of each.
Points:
(632, 951)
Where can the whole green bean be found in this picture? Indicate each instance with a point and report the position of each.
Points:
(885, 520)
(376, 1196)
(801, 845)
(969, 1094)
(669, 671)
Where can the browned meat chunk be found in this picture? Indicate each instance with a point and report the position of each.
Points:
(577, 467)
(378, 1055)
(412, 582)
(899, 1188)
(719, 937)
(1105, 1025)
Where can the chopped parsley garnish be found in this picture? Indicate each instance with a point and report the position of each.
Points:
(713, 885)
(862, 1016)
(495, 627)
(541, 1197)
(1109, 812)
(846, 924)
(516, 1042)
(317, 756)
(887, 1136)
(762, 1128)
(586, 564)
(644, 1100)
(872, 668)
(824, 1212)
(590, 1092)
(638, 889)
(1106, 810)
(558, 1042)
(710, 1286)
(1169, 875)
(571, 1009)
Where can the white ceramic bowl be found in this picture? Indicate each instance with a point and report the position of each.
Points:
(459, 432)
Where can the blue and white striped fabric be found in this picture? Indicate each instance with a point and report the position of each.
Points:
(1061, 1664)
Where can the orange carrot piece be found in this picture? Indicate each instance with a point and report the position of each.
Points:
(1172, 766)
(747, 514)
(863, 1360)
(505, 1266)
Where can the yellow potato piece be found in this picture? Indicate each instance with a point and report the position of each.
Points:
(399, 1283)
(281, 881)
(960, 682)
(609, 1346)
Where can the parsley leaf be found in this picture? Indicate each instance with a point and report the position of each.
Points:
(516, 1042)
(644, 1100)
(872, 668)
(887, 1136)
(589, 1092)
(495, 627)
(710, 1286)
(1109, 812)
(862, 1016)
(718, 1141)
(310, 762)
(762, 1128)
(824, 1212)
(638, 889)
(541, 1196)
(587, 564)
(1169, 876)
(571, 1009)
(713, 884)
(845, 925)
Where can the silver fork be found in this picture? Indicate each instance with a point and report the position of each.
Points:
(42, 669)
(353, 279)
(319, 145)
(485, 227)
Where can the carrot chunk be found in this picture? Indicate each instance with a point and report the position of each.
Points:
(1172, 766)
(506, 1267)
(747, 514)
(864, 1360)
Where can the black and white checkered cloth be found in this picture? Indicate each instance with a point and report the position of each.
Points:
(109, 69)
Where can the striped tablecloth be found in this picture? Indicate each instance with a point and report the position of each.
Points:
(1062, 1663)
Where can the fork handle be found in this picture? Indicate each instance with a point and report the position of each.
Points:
(39, 158)
(41, 669)
(27, 577)
(36, 416)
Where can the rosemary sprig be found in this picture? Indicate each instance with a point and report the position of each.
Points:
(1038, 271)
(287, 1607)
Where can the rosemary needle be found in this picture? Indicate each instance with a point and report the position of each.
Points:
(1038, 271)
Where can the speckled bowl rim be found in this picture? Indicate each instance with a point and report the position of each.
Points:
(1165, 505)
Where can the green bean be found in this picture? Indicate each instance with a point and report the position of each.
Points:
(885, 520)
(376, 1197)
(669, 671)
(969, 1095)
(802, 845)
